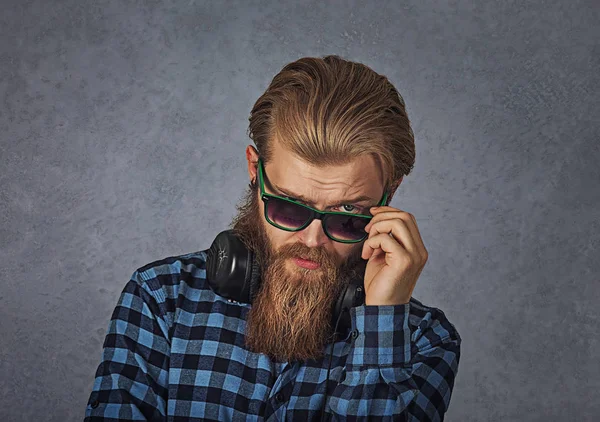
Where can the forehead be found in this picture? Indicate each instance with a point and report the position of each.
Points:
(325, 184)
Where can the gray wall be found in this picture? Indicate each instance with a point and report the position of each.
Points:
(123, 128)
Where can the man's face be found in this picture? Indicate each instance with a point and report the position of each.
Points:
(290, 317)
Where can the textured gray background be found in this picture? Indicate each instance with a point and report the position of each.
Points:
(123, 128)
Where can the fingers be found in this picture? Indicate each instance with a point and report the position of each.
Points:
(399, 231)
(384, 244)
(403, 228)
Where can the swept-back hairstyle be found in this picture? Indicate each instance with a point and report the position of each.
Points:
(329, 111)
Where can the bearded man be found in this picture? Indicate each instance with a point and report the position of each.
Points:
(333, 143)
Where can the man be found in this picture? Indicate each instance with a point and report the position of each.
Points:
(334, 136)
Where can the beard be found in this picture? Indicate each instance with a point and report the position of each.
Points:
(290, 317)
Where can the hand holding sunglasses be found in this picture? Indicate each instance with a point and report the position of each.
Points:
(396, 255)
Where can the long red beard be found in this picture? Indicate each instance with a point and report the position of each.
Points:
(290, 318)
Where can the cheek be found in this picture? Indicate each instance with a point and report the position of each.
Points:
(276, 237)
(345, 251)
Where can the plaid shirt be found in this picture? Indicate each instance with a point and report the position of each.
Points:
(175, 351)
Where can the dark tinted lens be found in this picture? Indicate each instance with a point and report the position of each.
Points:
(344, 227)
(287, 214)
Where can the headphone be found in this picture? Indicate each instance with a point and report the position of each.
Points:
(232, 271)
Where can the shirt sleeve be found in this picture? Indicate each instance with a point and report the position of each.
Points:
(393, 374)
(131, 382)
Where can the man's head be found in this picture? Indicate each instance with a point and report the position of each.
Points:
(328, 131)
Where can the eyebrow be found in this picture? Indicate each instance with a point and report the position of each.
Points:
(301, 198)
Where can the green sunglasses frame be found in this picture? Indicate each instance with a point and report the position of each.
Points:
(315, 214)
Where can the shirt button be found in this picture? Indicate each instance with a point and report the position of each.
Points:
(95, 404)
(354, 333)
(279, 397)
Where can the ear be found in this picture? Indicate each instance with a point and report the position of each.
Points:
(252, 158)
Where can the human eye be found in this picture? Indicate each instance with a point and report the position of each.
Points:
(352, 209)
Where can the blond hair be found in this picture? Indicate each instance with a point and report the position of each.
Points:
(329, 111)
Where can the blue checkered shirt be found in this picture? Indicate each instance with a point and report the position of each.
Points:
(175, 351)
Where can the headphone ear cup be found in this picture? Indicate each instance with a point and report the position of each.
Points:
(230, 270)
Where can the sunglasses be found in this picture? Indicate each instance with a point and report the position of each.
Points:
(292, 216)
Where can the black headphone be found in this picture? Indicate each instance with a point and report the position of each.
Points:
(232, 271)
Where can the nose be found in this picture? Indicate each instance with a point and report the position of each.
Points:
(313, 236)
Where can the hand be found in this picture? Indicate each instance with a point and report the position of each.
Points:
(396, 257)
